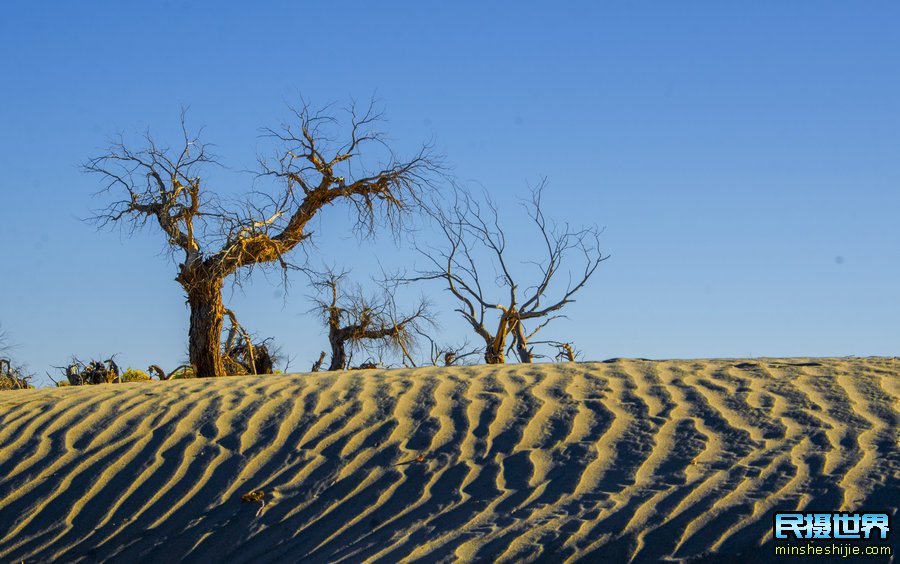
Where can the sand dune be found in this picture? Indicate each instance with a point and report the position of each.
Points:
(616, 461)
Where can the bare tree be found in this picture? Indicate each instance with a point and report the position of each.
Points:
(217, 240)
(5, 345)
(565, 351)
(447, 354)
(162, 375)
(357, 322)
(12, 376)
(476, 242)
(317, 365)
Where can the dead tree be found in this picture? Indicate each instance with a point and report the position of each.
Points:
(565, 351)
(161, 374)
(4, 341)
(373, 324)
(12, 377)
(8, 376)
(317, 365)
(446, 354)
(476, 243)
(218, 240)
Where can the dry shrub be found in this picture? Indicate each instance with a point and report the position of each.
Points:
(133, 375)
(94, 372)
(13, 378)
(258, 358)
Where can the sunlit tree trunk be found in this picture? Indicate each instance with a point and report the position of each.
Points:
(522, 350)
(495, 353)
(205, 333)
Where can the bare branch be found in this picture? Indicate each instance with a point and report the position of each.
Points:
(371, 323)
(468, 224)
(311, 170)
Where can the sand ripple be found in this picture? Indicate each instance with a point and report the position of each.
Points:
(625, 460)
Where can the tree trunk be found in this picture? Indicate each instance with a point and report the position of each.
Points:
(522, 344)
(338, 352)
(205, 334)
(492, 356)
(493, 353)
(317, 365)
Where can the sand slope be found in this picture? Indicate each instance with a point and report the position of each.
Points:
(613, 461)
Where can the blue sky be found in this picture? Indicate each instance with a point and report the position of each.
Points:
(742, 157)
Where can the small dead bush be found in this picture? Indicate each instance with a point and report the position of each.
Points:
(94, 372)
(13, 378)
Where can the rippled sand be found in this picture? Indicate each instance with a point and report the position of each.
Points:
(625, 459)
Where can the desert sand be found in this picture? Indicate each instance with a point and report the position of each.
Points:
(614, 461)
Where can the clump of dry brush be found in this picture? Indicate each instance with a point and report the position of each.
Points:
(94, 372)
(241, 357)
(12, 377)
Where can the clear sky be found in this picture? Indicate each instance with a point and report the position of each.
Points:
(744, 158)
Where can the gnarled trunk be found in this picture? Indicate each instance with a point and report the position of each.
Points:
(495, 352)
(205, 333)
(494, 357)
(522, 350)
(338, 352)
